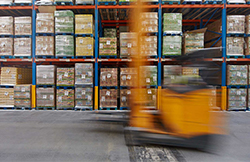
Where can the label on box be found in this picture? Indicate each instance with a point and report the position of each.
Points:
(60, 98)
(81, 41)
(171, 46)
(89, 46)
(82, 26)
(19, 76)
(22, 89)
(149, 91)
(243, 98)
(129, 45)
(128, 92)
(154, 78)
(108, 42)
(13, 76)
(27, 95)
(124, 98)
(101, 45)
(108, 93)
(45, 29)
(238, 92)
(103, 98)
(60, 77)
(179, 22)
(109, 76)
(8, 71)
(89, 98)
(123, 77)
(244, 75)
(44, 96)
(22, 43)
(103, 78)
(231, 24)
(147, 80)
(11, 97)
(66, 74)
(238, 73)
(230, 46)
(154, 97)
(44, 76)
(83, 76)
(6, 93)
(83, 92)
(235, 40)
(66, 93)
(89, 73)
(51, 97)
(129, 77)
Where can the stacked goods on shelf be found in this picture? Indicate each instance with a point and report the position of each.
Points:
(108, 98)
(237, 99)
(171, 45)
(108, 77)
(22, 96)
(6, 45)
(6, 97)
(64, 21)
(128, 77)
(83, 74)
(65, 98)
(6, 2)
(22, 1)
(128, 43)
(237, 75)
(125, 95)
(235, 46)
(65, 45)
(110, 32)
(149, 96)
(149, 45)
(45, 23)
(44, 2)
(84, 2)
(190, 74)
(149, 22)
(65, 77)
(247, 27)
(23, 26)
(236, 24)
(192, 1)
(172, 23)
(22, 46)
(193, 40)
(84, 97)
(45, 97)
(6, 25)
(107, 46)
(236, 1)
(45, 74)
(128, 1)
(148, 75)
(14, 76)
(45, 46)
(106, 1)
(171, 74)
(84, 24)
(84, 46)
(64, 1)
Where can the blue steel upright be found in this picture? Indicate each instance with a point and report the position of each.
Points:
(159, 53)
(96, 56)
(33, 55)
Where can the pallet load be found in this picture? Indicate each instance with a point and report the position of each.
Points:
(64, 21)
(247, 26)
(44, 2)
(193, 40)
(149, 75)
(236, 23)
(128, 44)
(83, 74)
(22, 1)
(85, 46)
(22, 46)
(84, 24)
(15, 76)
(45, 46)
(235, 46)
(65, 46)
(6, 25)
(45, 23)
(106, 1)
(45, 74)
(63, 1)
(6, 97)
(128, 76)
(108, 98)
(23, 25)
(237, 75)
(149, 45)
(172, 23)
(83, 2)
(84, 97)
(171, 74)
(6, 2)
(149, 22)
(149, 95)
(110, 32)
(171, 45)
(65, 98)
(108, 77)
(236, 1)
(6, 45)
(237, 99)
(125, 95)
(65, 77)
(108, 46)
(45, 97)
(22, 96)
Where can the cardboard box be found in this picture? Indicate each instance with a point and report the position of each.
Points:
(237, 74)
(14, 76)
(84, 24)
(235, 45)
(149, 22)
(65, 45)
(128, 77)
(108, 77)
(45, 74)
(45, 46)
(6, 45)
(125, 97)
(7, 97)
(236, 24)
(171, 45)
(6, 25)
(108, 98)
(107, 46)
(83, 74)
(84, 97)
(128, 44)
(45, 97)
(237, 99)
(172, 22)
(22, 95)
(65, 77)
(23, 25)
(171, 74)
(148, 75)
(149, 45)
(65, 98)
(64, 21)
(110, 32)
(84, 46)
(22, 46)
(45, 23)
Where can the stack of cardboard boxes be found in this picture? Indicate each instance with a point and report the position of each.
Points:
(22, 96)
(6, 28)
(149, 45)
(128, 44)
(107, 46)
(149, 22)
(45, 97)
(14, 76)
(45, 74)
(65, 77)
(193, 40)
(110, 32)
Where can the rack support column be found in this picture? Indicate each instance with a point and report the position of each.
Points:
(159, 54)
(96, 57)
(33, 90)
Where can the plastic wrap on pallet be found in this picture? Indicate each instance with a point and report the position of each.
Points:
(106, 1)
(45, 74)
(108, 77)
(172, 22)
(65, 45)
(83, 97)
(84, 46)
(22, 95)
(6, 2)
(23, 25)
(45, 23)
(150, 96)
(83, 74)
(6, 97)
(45, 46)
(128, 76)
(171, 74)
(108, 98)
(22, 1)
(44, 2)
(128, 44)
(125, 95)
(15, 76)
(193, 40)
(110, 32)
(237, 75)
(65, 77)
(64, 1)
(237, 98)
(84, 24)
(45, 97)
(235, 45)
(149, 45)
(107, 46)
(149, 75)
(236, 24)
(84, 1)
(22, 46)
(65, 98)
(64, 21)
(236, 1)
(149, 22)
(6, 45)
(6, 25)
(171, 45)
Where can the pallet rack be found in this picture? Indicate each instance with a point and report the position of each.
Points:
(195, 16)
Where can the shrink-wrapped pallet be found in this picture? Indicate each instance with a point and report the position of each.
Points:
(45, 23)
(65, 77)
(128, 44)
(84, 24)
(64, 21)
(23, 25)
(6, 46)
(22, 46)
(107, 46)
(44, 2)
(193, 40)
(65, 45)
(237, 99)
(236, 24)
(45, 74)
(84, 46)
(84, 97)
(237, 75)
(247, 26)
(128, 77)
(84, 2)
(236, 1)
(6, 97)
(83, 74)
(171, 45)
(108, 98)
(125, 96)
(65, 98)
(45, 97)
(6, 25)
(110, 32)
(45, 46)
(22, 95)
(108, 77)
(150, 97)
(149, 45)
(171, 74)
(172, 23)
(22, 1)
(148, 75)
(235, 46)
(64, 1)
(6, 2)
(149, 22)
(14, 76)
